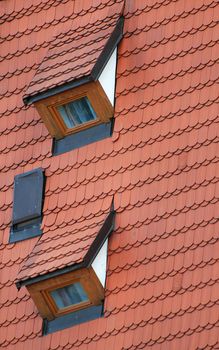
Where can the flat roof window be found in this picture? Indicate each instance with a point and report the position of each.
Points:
(27, 205)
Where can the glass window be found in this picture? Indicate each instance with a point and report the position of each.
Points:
(69, 295)
(77, 112)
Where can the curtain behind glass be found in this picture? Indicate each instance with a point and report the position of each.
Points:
(77, 112)
(69, 295)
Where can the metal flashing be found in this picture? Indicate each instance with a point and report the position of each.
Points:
(26, 232)
(108, 49)
(56, 90)
(97, 244)
(72, 319)
(82, 138)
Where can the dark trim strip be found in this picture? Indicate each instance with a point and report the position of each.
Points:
(48, 275)
(110, 46)
(102, 60)
(95, 247)
(97, 244)
(56, 90)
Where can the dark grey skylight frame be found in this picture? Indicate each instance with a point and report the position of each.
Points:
(27, 205)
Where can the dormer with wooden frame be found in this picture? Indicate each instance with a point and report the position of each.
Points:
(80, 110)
(75, 110)
(74, 293)
(70, 292)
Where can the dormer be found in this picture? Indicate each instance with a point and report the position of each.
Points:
(70, 289)
(76, 102)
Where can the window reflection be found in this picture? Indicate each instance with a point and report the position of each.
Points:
(77, 112)
(69, 295)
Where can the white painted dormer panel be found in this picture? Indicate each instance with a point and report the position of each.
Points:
(99, 263)
(108, 77)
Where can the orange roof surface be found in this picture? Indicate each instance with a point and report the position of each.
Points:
(160, 166)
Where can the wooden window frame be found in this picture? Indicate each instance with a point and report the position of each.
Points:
(40, 292)
(99, 101)
(56, 311)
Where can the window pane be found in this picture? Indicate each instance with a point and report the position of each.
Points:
(69, 295)
(77, 112)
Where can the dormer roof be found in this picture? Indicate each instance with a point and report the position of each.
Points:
(76, 56)
(70, 247)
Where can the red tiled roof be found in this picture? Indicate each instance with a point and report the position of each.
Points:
(65, 243)
(74, 51)
(160, 165)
